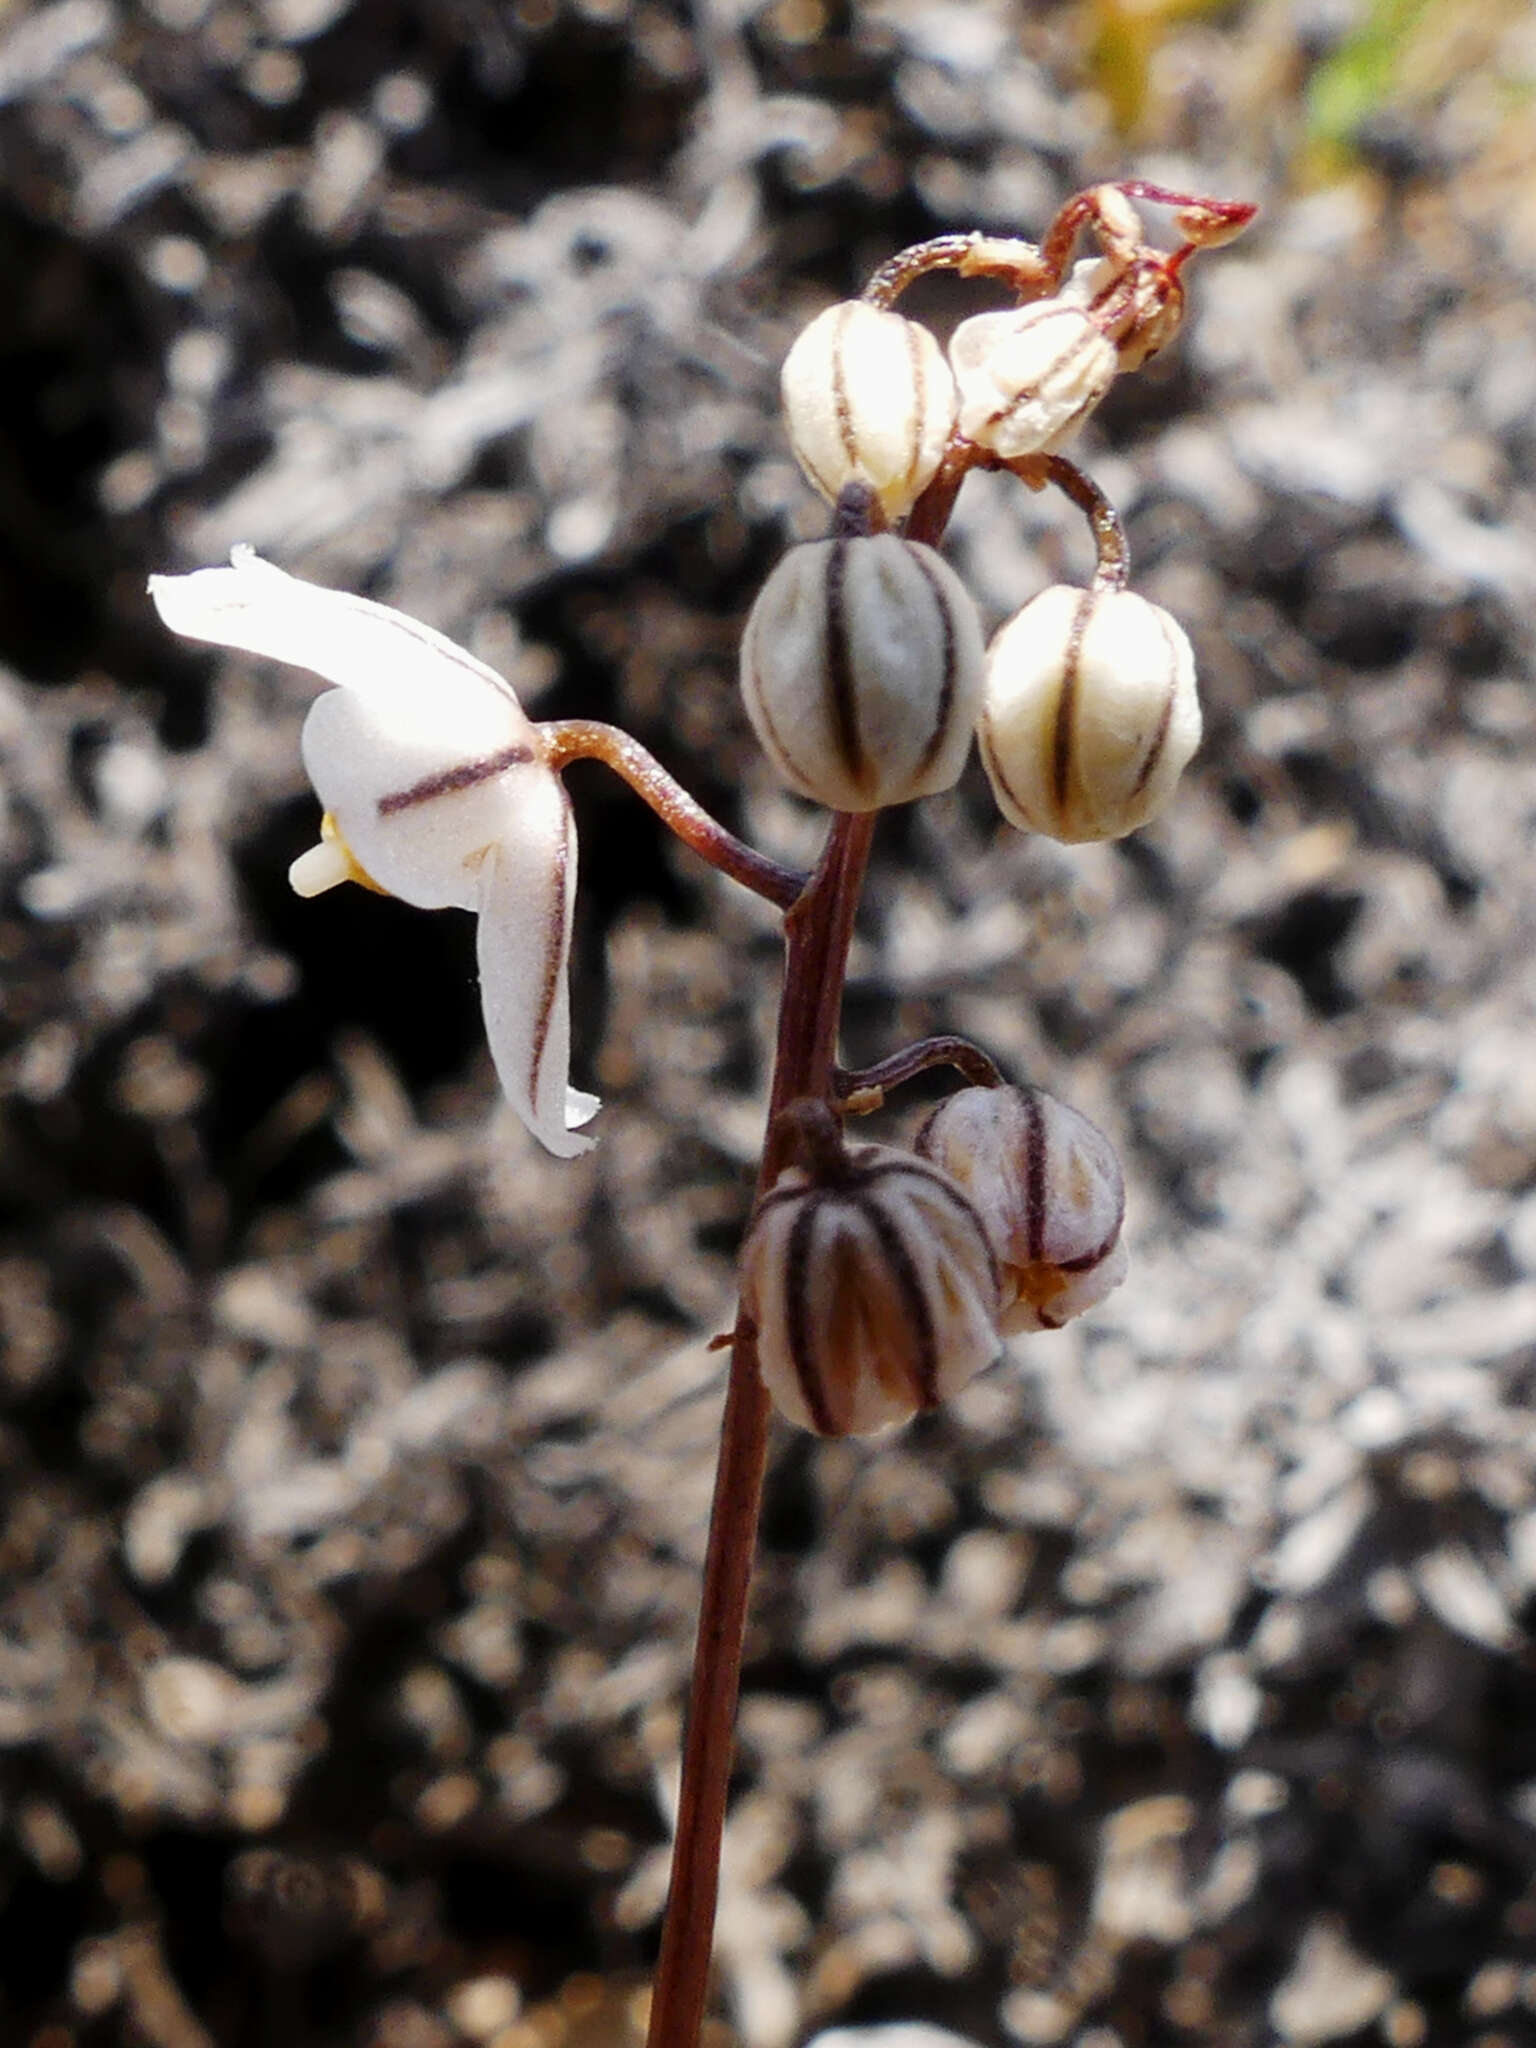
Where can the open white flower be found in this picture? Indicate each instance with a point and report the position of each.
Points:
(436, 790)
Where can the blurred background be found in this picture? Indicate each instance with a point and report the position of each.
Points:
(1175, 1685)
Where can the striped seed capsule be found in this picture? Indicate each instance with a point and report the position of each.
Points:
(1029, 378)
(873, 1291)
(1047, 1185)
(1090, 713)
(861, 667)
(868, 398)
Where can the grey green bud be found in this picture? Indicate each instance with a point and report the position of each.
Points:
(861, 667)
(872, 1289)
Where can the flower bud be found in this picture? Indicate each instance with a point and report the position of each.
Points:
(1047, 1185)
(861, 667)
(1090, 713)
(868, 398)
(873, 1292)
(1029, 378)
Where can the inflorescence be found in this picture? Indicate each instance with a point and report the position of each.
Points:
(875, 1280)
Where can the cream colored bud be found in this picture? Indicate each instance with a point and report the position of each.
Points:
(861, 666)
(1047, 1185)
(1028, 379)
(868, 398)
(873, 1293)
(1090, 713)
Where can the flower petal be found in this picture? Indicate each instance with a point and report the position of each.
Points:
(421, 753)
(349, 641)
(526, 900)
(418, 803)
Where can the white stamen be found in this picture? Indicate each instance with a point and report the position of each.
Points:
(321, 868)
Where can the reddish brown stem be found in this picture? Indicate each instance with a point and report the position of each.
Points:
(818, 931)
(588, 739)
(1031, 272)
(866, 1090)
(930, 515)
(819, 916)
(1113, 549)
(1011, 261)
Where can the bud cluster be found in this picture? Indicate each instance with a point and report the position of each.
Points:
(878, 1282)
(862, 665)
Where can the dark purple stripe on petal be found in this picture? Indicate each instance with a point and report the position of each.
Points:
(1159, 738)
(554, 948)
(449, 781)
(844, 707)
(842, 404)
(947, 660)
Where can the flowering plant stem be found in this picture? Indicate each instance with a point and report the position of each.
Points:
(818, 928)
(818, 931)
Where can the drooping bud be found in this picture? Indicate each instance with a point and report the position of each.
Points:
(1090, 713)
(868, 398)
(861, 666)
(1029, 378)
(1047, 1185)
(873, 1289)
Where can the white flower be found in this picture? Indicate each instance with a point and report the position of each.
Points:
(436, 790)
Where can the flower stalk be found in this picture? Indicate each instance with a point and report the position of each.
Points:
(818, 932)
(589, 739)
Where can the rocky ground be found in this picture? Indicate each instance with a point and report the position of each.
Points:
(1176, 1684)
